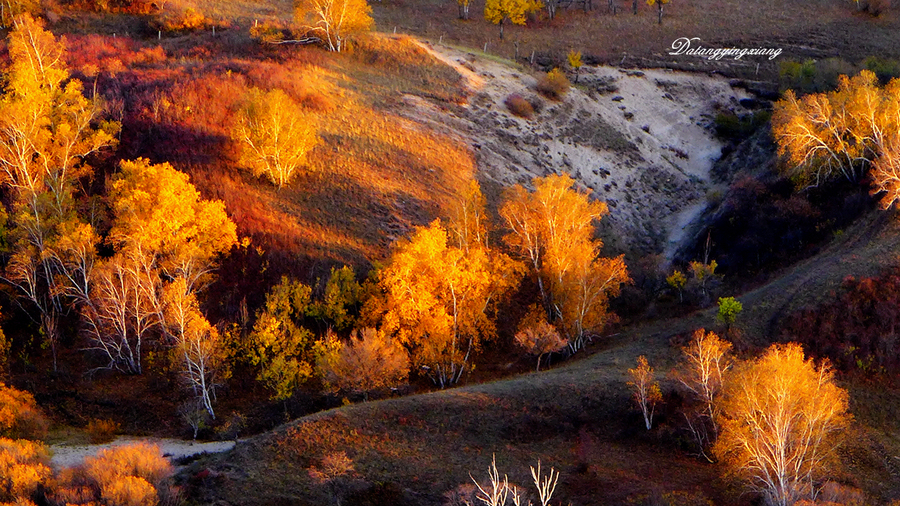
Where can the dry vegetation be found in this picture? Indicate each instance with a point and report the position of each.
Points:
(804, 29)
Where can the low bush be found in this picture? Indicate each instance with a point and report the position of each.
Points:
(519, 106)
(20, 417)
(554, 85)
(102, 431)
(730, 126)
(24, 467)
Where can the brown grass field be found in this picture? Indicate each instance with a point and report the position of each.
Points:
(803, 29)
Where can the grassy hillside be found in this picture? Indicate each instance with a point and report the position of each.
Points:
(577, 417)
(803, 29)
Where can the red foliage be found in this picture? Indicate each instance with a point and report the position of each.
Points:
(856, 330)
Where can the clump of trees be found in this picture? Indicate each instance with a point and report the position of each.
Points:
(47, 129)
(553, 229)
(842, 133)
(775, 420)
(140, 281)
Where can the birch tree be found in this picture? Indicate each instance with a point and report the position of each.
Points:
(335, 20)
(274, 135)
(645, 389)
(705, 360)
(437, 298)
(839, 133)
(163, 231)
(47, 129)
(553, 228)
(781, 420)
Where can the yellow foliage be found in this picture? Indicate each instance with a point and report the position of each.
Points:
(159, 213)
(436, 298)
(840, 133)
(12, 9)
(574, 59)
(498, 11)
(335, 20)
(130, 491)
(553, 227)
(781, 420)
(274, 135)
(140, 460)
(645, 389)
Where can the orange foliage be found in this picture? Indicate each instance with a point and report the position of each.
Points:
(553, 228)
(20, 417)
(140, 460)
(23, 468)
(436, 299)
(368, 361)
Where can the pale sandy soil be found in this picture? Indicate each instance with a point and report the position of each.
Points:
(642, 141)
(69, 455)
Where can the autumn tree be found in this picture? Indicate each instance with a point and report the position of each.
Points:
(540, 339)
(659, 8)
(340, 300)
(781, 419)
(12, 9)
(677, 281)
(574, 60)
(274, 135)
(839, 133)
(47, 129)
(335, 20)
(279, 344)
(370, 360)
(198, 347)
(553, 228)
(463, 8)
(705, 360)
(645, 389)
(162, 231)
(436, 299)
(499, 11)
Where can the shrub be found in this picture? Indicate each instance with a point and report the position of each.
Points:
(23, 468)
(554, 85)
(102, 431)
(178, 18)
(20, 418)
(884, 69)
(730, 126)
(140, 460)
(519, 106)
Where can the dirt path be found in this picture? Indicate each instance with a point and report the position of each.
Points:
(642, 141)
(68, 455)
